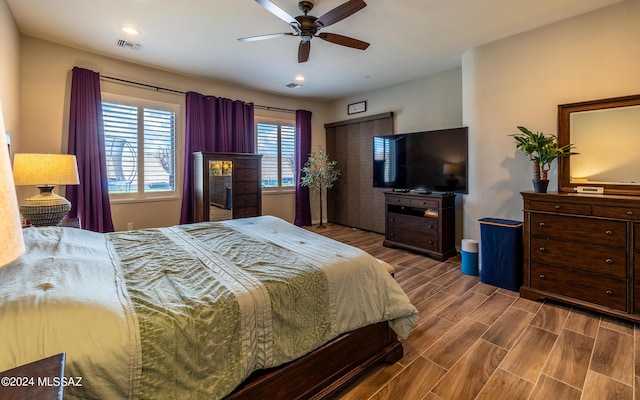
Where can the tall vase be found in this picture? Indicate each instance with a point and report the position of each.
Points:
(540, 185)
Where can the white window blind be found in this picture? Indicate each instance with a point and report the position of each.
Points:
(140, 148)
(276, 143)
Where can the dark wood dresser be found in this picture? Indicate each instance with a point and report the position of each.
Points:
(583, 249)
(240, 171)
(421, 222)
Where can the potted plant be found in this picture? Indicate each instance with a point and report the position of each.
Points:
(319, 173)
(542, 150)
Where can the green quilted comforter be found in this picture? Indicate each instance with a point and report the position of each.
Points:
(194, 309)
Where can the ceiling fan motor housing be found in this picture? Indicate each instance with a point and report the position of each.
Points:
(305, 6)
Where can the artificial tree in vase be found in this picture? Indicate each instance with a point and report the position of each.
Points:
(319, 173)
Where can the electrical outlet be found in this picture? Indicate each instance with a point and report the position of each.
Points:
(129, 226)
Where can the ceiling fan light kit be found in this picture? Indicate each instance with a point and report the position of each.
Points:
(307, 26)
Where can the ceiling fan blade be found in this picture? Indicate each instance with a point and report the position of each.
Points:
(343, 40)
(264, 37)
(341, 12)
(277, 11)
(303, 51)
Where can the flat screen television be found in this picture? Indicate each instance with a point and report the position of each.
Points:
(422, 161)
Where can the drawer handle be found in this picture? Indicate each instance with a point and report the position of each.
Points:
(397, 200)
(630, 213)
(392, 219)
(557, 207)
(430, 241)
(542, 249)
(609, 261)
(542, 224)
(543, 277)
(609, 293)
(430, 226)
(424, 202)
(608, 232)
(392, 234)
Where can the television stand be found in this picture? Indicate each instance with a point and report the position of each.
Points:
(424, 223)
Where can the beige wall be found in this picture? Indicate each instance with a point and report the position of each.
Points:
(45, 92)
(521, 80)
(516, 81)
(432, 102)
(9, 72)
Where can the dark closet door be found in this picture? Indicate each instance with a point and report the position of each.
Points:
(353, 201)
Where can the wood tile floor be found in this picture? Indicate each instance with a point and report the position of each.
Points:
(476, 341)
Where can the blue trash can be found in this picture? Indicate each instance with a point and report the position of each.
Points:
(501, 250)
(469, 255)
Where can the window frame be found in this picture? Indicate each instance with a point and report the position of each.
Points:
(142, 103)
(280, 122)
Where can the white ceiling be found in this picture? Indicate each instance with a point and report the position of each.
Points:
(409, 38)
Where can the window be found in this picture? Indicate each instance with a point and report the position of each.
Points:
(140, 145)
(277, 144)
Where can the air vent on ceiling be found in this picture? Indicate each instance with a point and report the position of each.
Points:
(125, 44)
(293, 85)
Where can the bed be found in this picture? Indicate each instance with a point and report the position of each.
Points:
(247, 308)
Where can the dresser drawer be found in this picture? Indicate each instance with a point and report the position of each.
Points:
(559, 207)
(630, 213)
(608, 292)
(245, 212)
(427, 226)
(601, 260)
(244, 174)
(245, 188)
(596, 231)
(249, 163)
(245, 200)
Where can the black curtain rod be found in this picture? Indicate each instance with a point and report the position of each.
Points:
(181, 92)
(141, 84)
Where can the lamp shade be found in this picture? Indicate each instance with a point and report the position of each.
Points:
(451, 169)
(12, 242)
(45, 169)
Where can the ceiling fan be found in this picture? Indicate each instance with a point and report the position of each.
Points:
(307, 26)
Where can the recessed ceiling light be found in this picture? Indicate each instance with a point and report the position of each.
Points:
(300, 78)
(129, 30)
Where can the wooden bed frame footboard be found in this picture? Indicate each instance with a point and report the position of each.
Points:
(327, 370)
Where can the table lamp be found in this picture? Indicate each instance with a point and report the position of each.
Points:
(12, 243)
(45, 171)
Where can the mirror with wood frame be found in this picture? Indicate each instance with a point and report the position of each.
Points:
(606, 134)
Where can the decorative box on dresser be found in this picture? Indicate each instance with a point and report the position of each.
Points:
(421, 222)
(244, 184)
(583, 249)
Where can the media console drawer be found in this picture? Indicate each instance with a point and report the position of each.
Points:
(412, 223)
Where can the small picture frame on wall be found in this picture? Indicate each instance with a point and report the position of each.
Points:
(355, 108)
